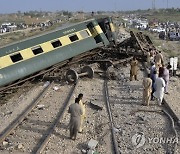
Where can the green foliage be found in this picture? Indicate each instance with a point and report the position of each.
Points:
(34, 14)
(66, 13)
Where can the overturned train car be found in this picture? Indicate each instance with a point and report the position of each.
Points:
(32, 55)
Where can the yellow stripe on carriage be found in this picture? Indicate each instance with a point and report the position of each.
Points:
(112, 27)
(6, 61)
(98, 29)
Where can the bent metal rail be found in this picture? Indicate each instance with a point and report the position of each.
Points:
(115, 145)
(106, 93)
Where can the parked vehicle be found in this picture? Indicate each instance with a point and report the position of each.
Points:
(162, 35)
(174, 36)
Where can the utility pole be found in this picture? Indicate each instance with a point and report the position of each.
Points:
(115, 6)
(167, 4)
(153, 5)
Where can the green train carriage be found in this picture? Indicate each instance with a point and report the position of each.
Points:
(29, 56)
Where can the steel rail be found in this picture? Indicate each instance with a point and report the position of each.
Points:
(115, 145)
(173, 127)
(168, 115)
(172, 115)
(44, 140)
(27, 110)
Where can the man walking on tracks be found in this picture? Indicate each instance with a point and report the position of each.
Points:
(75, 120)
(134, 69)
(166, 77)
(153, 78)
(147, 88)
(159, 84)
(83, 116)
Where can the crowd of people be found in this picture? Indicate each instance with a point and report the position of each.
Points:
(155, 84)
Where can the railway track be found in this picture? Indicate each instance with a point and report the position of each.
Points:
(114, 140)
(95, 126)
(46, 137)
(20, 128)
(24, 113)
(22, 116)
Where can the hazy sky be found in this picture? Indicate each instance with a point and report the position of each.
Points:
(11, 6)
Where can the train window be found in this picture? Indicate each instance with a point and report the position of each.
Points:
(37, 50)
(73, 38)
(56, 43)
(17, 57)
(84, 34)
(90, 27)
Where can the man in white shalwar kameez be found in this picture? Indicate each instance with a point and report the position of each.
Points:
(159, 93)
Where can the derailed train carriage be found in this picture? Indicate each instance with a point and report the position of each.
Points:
(29, 56)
